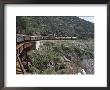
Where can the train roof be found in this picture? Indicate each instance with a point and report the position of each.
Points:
(34, 36)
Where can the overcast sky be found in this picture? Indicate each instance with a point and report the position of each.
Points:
(88, 18)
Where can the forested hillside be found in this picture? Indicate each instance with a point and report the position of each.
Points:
(55, 26)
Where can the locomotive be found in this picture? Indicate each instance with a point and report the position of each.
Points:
(21, 38)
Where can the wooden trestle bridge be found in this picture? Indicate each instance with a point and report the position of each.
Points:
(21, 56)
(22, 60)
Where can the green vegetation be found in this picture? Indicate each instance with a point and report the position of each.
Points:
(49, 59)
(55, 26)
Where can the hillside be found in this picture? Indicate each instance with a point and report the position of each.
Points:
(55, 26)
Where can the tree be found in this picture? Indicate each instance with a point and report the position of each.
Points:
(20, 24)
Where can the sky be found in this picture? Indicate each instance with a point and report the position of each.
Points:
(88, 18)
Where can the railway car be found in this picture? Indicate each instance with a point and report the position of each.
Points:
(38, 37)
(46, 37)
(33, 38)
(73, 37)
(27, 38)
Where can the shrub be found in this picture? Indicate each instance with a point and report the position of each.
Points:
(49, 71)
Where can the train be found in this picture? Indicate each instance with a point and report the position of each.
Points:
(21, 38)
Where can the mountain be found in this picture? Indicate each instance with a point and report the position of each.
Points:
(55, 26)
